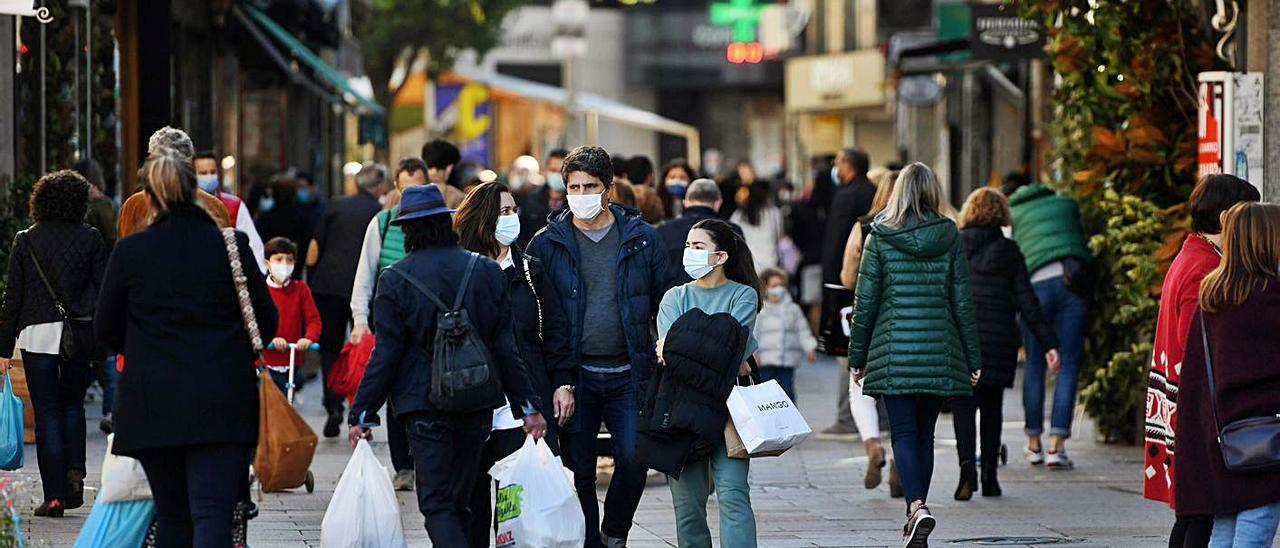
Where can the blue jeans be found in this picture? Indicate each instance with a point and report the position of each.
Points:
(1252, 528)
(689, 496)
(911, 422)
(786, 377)
(1067, 311)
(107, 379)
(57, 397)
(610, 397)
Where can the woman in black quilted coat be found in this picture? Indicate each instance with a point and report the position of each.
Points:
(72, 256)
(1002, 291)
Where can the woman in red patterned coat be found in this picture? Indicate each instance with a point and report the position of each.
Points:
(1200, 254)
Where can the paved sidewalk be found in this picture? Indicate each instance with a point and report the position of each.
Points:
(812, 496)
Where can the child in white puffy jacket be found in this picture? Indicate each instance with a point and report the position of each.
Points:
(783, 332)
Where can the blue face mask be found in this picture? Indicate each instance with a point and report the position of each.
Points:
(207, 183)
(835, 176)
(555, 181)
(304, 196)
(266, 204)
(677, 187)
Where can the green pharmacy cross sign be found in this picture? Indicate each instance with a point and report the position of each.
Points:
(742, 15)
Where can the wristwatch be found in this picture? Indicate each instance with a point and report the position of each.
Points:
(568, 387)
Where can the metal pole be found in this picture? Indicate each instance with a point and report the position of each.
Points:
(573, 133)
(88, 90)
(44, 128)
(7, 82)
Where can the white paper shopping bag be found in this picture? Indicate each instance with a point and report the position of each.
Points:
(766, 419)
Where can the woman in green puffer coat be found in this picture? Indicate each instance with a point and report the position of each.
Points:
(914, 339)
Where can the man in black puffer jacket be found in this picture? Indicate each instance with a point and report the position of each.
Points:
(687, 415)
(1002, 291)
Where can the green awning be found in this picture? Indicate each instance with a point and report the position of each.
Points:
(321, 68)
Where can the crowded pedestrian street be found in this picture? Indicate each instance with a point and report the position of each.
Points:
(811, 496)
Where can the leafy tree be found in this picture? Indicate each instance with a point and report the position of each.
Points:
(1124, 139)
(444, 28)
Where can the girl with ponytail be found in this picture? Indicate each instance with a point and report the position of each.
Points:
(724, 280)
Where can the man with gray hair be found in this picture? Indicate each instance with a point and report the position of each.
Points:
(135, 212)
(336, 248)
(701, 201)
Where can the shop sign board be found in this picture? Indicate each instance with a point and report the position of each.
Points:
(1229, 133)
(835, 81)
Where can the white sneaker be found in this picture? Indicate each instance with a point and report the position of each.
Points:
(1059, 461)
(1034, 458)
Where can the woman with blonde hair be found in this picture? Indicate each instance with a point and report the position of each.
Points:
(1230, 374)
(187, 400)
(914, 337)
(866, 416)
(1002, 292)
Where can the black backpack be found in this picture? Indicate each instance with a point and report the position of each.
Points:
(462, 369)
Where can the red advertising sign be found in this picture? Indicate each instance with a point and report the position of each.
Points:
(1210, 130)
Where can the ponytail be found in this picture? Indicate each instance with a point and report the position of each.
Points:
(740, 267)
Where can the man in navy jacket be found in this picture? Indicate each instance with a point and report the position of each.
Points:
(445, 444)
(611, 272)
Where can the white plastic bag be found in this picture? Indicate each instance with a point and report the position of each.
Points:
(363, 512)
(537, 505)
(766, 419)
(123, 479)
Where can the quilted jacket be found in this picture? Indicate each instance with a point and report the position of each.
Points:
(73, 256)
(914, 328)
(1046, 226)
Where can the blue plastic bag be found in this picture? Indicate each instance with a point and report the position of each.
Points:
(10, 428)
(117, 524)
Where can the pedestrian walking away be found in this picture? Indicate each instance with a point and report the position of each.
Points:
(1048, 230)
(488, 222)
(851, 201)
(864, 409)
(1229, 379)
(335, 253)
(725, 282)
(383, 246)
(186, 308)
(913, 297)
(445, 396)
(55, 272)
(610, 271)
(1001, 293)
(1179, 296)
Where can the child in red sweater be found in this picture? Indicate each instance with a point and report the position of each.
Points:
(299, 320)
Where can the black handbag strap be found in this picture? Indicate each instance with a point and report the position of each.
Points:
(62, 310)
(1208, 368)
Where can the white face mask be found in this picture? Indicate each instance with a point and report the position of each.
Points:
(508, 229)
(586, 207)
(697, 262)
(777, 292)
(280, 271)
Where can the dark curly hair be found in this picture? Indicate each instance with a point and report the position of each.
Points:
(62, 195)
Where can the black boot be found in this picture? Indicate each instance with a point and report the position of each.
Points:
(990, 487)
(968, 480)
(333, 425)
(75, 489)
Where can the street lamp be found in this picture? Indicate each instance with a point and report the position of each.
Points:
(570, 43)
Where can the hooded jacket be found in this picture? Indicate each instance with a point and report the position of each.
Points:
(1047, 226)
(642, 280)
(914, 328)
(686, 413)
(1002, 291)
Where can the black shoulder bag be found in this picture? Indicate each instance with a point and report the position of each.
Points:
(1249, 445)
(78, 341)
